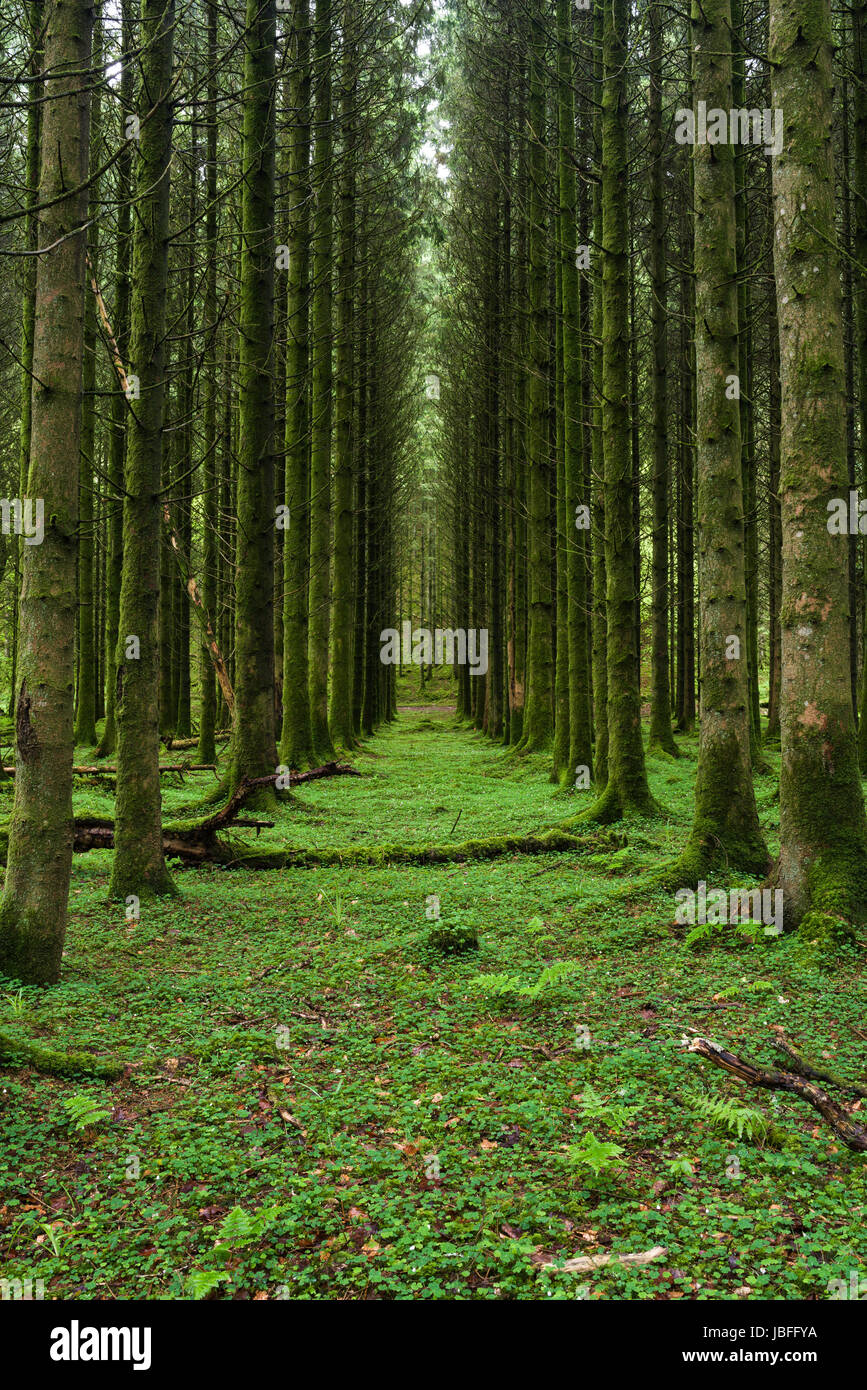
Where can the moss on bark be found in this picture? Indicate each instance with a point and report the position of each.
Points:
(254, 741)
(139, 867)
(823, 832)
(33, 908)
(296, 737)
(18, 1052)
(322, 416)
(538, 723)
(726, 824)
(626, 793)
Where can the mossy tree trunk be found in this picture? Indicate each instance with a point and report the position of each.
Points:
(517, 581)
(362, 517)
(117, 435)
(626, 792)
(726, 825)
(823, 832)
(745, 378)
(182, 515)
(775, 572)
(168, 703)
(254, 741)
(208, 712)
(597, 499)
(859, 180)
(296, 738)
(373, 705)
(538, 723)
(319, 588)
(661, 735)
(85, 706)
(686, 664)
(139, 867)
(33, 908)
(28, 316)
(340, 697)
(580, 744)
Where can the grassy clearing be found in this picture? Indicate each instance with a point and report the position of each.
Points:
(320, 1105)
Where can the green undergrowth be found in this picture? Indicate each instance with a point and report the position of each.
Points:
(321, 1099)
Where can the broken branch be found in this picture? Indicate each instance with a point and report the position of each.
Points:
(853, 1136)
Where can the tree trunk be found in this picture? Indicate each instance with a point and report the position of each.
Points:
(661, 735)
(117, 437)
(28, 316)
(340, 700)
(859, 176)
(36, 888)
(296, 737)
(254, 741)
(823, 853)
(85, 709)
(597, 497)
(580, 745)
(139, 867)
(726, 824)
(210, 502)
(538, 712)
(322, 407)
(626, 792)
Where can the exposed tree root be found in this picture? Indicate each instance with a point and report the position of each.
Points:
(853, 1136)
(611, 806)
(30, 1054)
(705, 853)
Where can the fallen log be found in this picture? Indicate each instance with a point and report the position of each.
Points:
(82, 770)
(195, 841)
(313, 774)
(238, 855)
(19, 1053)
(170, 744)
(853, 1136)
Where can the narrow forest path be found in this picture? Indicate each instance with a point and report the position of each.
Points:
(390, 1125)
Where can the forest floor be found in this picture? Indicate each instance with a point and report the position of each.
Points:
(322, 1105)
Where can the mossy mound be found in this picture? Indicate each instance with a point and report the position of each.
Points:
(459, 933)
(826, 932)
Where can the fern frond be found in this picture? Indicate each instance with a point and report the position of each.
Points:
(742, 1120)
(84, 1111)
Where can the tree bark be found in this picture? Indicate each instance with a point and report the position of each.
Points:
(726, 823)
(322, 405)
(33, 908)
(254, 741)
(823, 833)
(139, 868)
(661, 735)
(626, 792)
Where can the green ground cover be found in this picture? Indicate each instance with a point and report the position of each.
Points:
(321, 1104)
